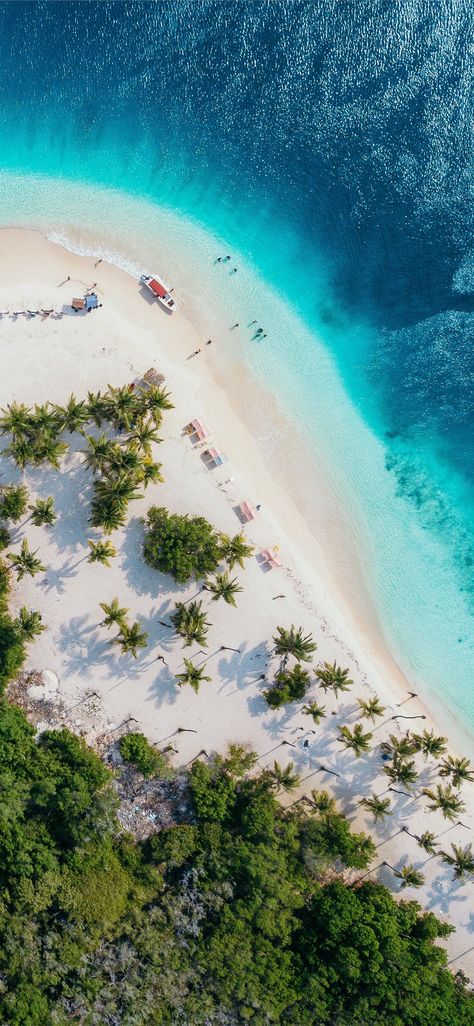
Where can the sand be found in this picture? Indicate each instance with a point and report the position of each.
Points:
(101, 691)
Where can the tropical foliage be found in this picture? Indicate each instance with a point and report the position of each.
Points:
(224, 586)
(370, 708)
(43, 513)
(378, 806)
(101, 552)
(445, 799)
(355, 739)
(461, 859)
(190, 622)
(13, 502)
(290, 686)
(136, 749)
(334, 678)
(235, 550)
(238, 905)
(182, 546)
(26, 561)
(192, 675)
(292, 641)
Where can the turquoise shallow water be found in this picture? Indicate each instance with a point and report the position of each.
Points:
(327, 147)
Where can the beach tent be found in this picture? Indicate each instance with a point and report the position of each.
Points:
(217, 458)
(247, 511)
(196, 427)
(271, 557)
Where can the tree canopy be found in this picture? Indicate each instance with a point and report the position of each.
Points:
(234, 913)
(182, 546)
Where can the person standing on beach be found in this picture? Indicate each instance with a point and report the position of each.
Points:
(235, 326)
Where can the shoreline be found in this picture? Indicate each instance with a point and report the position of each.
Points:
(362, 634)
(115, 344)
(372, 538)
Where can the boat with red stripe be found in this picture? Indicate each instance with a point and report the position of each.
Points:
(159, 290)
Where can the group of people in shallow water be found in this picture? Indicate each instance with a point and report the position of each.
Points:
(259, 334)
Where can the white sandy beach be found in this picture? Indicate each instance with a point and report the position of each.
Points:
(47, 359)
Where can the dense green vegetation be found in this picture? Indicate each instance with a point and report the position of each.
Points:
(240, 912)
(233, 915)
(182, 546)
(136, 749)
(12, 637)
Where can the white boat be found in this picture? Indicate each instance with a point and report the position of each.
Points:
(158, 289)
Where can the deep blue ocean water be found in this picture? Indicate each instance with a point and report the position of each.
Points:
(330, 143)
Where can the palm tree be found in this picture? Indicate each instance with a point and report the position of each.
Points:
(15, 420)
(462, 860)
(323, 802)
(25, 562)
(108, 513)
(409, 875)
(74, 415)
(114, 614)
(235, 550)
(48, 449)
(379, 807)
(126, 458)
(426, 841)
(285, 777)
(156, 400)
(401, 746)
(371, 708)
(333, 678)
(193, 675)
(429, 743)
(45, 420)
(132, 638)
(190, 622)
(42, 512)
(101, 552)
(317, 712)
(458, 769)
(121, 406)
(20, 451)
(29, 623)
(224, 587)
(13, 500)
(292, 641)
(355, 739)
(145, 434)
(97, 407)
(98, 453)
(402, 772)
(122, 488)
(445, 799)
(149, 472)
(5, 538)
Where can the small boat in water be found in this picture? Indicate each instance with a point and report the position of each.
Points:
(158, 289)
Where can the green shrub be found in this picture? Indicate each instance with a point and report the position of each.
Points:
(182, 546)
(4, 538)
(290, 686)
(12, 650)
(135, 748)
(4, 583)
(13, 502)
